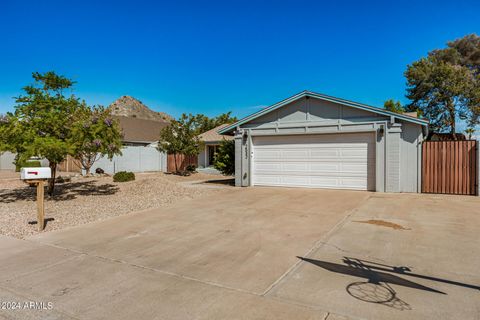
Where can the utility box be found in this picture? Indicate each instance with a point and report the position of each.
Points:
(35, 173)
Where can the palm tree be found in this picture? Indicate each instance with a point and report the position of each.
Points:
(470, 131)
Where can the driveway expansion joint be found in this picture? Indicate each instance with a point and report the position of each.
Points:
(317, 245)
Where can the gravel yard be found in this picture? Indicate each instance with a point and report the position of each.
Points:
(84, 200)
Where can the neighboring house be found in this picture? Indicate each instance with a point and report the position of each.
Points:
(139, 154)
(210, 142)
(7, 161)
(313, 140)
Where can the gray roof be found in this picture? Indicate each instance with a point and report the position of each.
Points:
(213, 135)
(320, 96)
(140, 130)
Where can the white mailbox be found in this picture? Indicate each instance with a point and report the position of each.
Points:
(35, 173)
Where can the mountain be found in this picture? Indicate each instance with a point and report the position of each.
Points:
(127, 106)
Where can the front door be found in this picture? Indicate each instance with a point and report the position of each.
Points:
(211, 154)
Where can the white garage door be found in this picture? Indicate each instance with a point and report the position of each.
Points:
(337, 161)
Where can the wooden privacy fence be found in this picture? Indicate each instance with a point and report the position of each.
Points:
(182, 162)
(70, 164)
(449, 167)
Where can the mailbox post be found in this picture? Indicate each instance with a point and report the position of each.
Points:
(38, 176)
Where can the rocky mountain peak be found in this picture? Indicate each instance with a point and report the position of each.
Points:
(128, 106)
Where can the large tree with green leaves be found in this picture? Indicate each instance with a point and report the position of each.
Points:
(445, 85)
(204, 123)
(180, 137)
(42, 121)
(394, 106)
(95, 134)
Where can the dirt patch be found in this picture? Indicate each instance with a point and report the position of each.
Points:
(84, 200)
(383, 223)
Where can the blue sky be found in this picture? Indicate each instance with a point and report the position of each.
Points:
(212, 57)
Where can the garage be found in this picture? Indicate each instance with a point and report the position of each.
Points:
(336, 161)
(312, 140)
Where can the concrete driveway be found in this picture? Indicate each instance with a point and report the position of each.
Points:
(258, 253)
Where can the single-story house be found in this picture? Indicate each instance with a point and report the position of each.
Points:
(139, 151)
(313, 140)
(210, 141)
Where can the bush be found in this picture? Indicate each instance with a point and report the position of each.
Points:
(123, 176)
(28, 163)
(191, 168)
(225, 157)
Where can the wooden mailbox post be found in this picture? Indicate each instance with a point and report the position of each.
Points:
(38, 176)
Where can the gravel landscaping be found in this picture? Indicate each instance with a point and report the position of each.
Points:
(84, 200)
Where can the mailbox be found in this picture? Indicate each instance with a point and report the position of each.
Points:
(35, 173)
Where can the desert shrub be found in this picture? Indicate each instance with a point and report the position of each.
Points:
(123, 176)
(28, 163)
(191, 168)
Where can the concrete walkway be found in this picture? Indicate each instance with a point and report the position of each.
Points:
(258, 253)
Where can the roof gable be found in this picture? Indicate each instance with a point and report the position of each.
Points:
(325, 98)
(213, 136)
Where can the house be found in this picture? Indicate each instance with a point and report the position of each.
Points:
(313, 140)
(139, 152)
(210, 141)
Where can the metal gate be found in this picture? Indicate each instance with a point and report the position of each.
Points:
(449, 167)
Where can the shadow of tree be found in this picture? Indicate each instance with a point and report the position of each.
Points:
(64, 191)
(376, 288)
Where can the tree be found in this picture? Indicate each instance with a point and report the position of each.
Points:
(3, 139)
(205, 123)
(225, 157)
(42, 121)
(466, 52)
(394, 106)
(95, 134)
(180, 137)
(445, 86)
(470, 131)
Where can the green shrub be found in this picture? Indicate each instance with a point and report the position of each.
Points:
(28, 163)
(123, 176)
(191, 168)
(225, 158)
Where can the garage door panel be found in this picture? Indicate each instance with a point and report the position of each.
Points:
(325, 153)
(268, 154)
(324, 167)
(294, 154)
(345, 161)
(296, 166)
(337, 174)
(267, 167)
(355, 167)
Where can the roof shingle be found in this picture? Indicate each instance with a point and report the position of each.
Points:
(213, 136)
(140, 130)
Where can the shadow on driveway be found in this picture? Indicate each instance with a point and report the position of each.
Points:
(377, 288)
